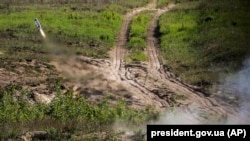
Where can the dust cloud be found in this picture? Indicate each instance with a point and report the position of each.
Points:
(178, 116)
(61, 56)
(55, 48)
(235, 90)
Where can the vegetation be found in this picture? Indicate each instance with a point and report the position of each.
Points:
(85, 4)
(164, 3)
(78, 27)
(65, 114)
(137, 37)
(88, 33)
(84, 27)
(201, 39)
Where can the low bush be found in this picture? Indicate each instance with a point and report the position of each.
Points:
(65, 114)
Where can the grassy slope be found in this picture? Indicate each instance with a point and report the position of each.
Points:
(201, 39)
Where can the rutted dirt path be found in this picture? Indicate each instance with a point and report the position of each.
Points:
(196, 100)
(141, 85)
(157, 71)
(152, 51)
(153, 80)
(118, 52)
(123, 72)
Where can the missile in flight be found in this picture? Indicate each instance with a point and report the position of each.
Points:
(38, 23)
(39, 27)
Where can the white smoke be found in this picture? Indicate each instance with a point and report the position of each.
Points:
(240, 82)
(234, 90)
(42, 33)
(243, 79)
(178, 116)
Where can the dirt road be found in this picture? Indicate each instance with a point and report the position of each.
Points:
(118, 52)
(153, 81)
(144, 84)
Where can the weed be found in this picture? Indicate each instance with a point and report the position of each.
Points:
(198, 36)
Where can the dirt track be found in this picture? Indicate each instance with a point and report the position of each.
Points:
(153, 80)
(118, 52)
(144, 84)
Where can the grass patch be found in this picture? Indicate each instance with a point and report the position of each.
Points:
(164, 3)
(137, 37)
(74, 4)
(136, 56)
(88, 33)
(200, 37)
(85, 27)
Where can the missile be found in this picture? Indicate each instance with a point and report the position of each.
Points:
(38, 23)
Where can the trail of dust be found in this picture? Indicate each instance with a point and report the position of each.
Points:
(93, 78)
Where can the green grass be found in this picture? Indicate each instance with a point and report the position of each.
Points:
(86, 28)
(82, 27)
(163, 3)
(201, 39)
(137, 37)
(65, 114)
(75, 4)
(132, 3)
(90, 33)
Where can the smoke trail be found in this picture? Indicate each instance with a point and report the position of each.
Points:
(42, 33)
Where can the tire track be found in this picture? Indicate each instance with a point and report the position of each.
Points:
(154, 61)
(119, 51)
(118, 66)
(164, 78)
(203, 104)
